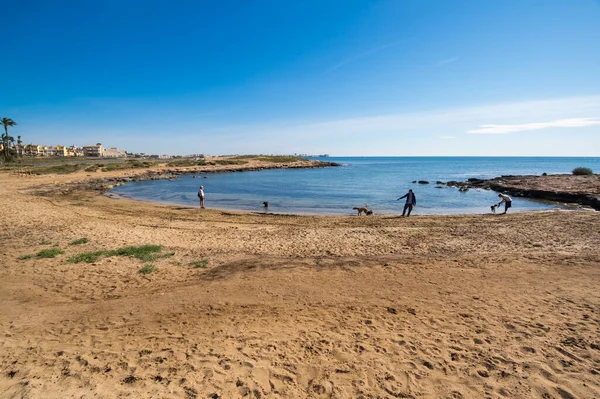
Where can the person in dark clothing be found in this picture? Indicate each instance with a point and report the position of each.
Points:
(411, 201)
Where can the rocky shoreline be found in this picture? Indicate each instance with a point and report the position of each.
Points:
(583, 190)
(105, 183)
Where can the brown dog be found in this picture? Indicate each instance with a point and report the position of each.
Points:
(361, 210)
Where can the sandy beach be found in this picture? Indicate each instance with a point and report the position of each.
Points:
(247, 305)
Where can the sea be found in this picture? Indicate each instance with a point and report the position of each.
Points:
(373, 181)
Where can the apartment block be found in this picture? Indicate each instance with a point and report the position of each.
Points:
(93, 150)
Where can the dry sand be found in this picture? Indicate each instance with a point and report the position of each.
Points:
(476, 306)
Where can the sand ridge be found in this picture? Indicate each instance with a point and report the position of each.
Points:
(294, 306)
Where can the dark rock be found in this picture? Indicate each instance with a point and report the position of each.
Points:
(423, 182)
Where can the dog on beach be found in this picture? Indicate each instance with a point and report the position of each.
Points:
(493, 208)
(265, 204)
(361, 210)
(369, 212)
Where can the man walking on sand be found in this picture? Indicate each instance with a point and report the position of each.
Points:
(201, 196)
(507, 201)
(411, 201)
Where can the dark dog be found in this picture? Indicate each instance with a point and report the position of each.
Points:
(369, 212)
(493, 208)
(361, 210)
(266, 204)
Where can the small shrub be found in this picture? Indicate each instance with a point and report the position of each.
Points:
(49, 253)
(79, 242)
(200, 264)
(147, 269)
(23, 257)
(580, 171)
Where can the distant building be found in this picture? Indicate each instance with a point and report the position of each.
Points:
(49, 151)
(75, 151)
(32, 150)
(93, 150)
(114, 152)
(62, 151)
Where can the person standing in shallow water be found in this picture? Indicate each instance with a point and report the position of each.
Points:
(201, 196)
(411, 201)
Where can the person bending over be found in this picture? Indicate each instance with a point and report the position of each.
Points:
(506, 200)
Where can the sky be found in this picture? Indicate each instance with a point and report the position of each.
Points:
(342, 77)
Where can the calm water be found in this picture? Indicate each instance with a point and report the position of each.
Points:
(376, 181)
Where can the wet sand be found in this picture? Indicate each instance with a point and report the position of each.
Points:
(471, 306)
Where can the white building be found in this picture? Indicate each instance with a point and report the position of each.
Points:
(114, 152)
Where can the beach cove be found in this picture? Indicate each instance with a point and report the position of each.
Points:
(265, 305)
(356, 181)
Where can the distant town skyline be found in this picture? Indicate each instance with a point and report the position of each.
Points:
(351, 78)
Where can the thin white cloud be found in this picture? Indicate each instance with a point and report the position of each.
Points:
(356, 57)
(388, 134)
(447, 61)
(504, 129)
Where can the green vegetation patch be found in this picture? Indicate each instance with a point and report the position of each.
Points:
(132, 164)
(199, 264)
(147, 269)
(272, 158)
(281, 159)
(87, 257)
(228, 162)
(582, 171)
(80, 241)
(50, 253)
(62, 169)
(44, 253)
(187, 162)
(146, 253)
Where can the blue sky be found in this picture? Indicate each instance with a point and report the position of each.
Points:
(347, 77)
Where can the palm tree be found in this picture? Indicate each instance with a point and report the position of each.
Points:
(19, 147)
(6, 139)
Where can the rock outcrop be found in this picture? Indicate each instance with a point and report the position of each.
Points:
(583, 190)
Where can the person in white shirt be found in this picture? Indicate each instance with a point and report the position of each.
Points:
(201, 196)
(507, 201)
